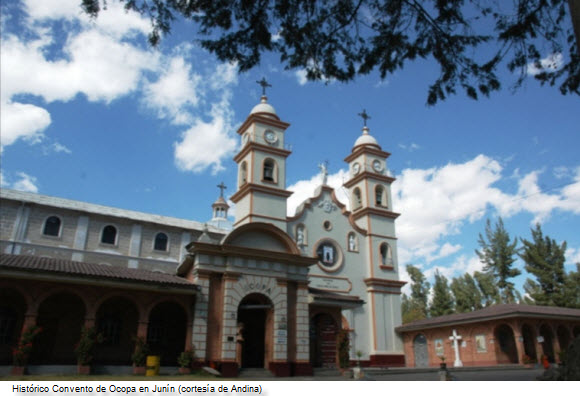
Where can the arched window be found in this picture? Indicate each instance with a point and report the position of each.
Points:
(243, 173)
(269, 173)
(380, 199)
(161, 240)
(52, 226)
(356, 199)
(386, 255)
(109, 235)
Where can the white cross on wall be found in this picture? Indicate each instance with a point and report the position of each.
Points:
(455, 338)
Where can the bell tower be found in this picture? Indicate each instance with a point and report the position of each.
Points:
(261, 194)
(369, 187)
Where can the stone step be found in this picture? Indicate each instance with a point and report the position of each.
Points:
(255, 373)
(325, 372)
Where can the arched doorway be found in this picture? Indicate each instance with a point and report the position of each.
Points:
(61, 317)
(117, 322)
(166, 332)
(323, 335)
(529, 346)
(12, 309)
(420, 351)
(548, 342)
(506, 344)
(563, 337)
(255, 324)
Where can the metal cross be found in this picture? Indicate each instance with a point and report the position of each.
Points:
(263, 83)
(364, 116)
(222, 187)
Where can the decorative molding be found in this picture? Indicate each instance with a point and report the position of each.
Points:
(367, 149)
(368, 175)
(373, 211)
(251, 187)
(263, 118)
(253, 146)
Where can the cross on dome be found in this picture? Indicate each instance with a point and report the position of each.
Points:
(263, 83)
(364, 116)
(222, 187)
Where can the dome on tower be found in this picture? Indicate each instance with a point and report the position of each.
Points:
(264, 108)
(366, 139)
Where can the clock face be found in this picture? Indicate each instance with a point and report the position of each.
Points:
(377, 166)
(270, 136)
(356, 168)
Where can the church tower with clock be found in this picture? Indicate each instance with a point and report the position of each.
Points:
(262, 194)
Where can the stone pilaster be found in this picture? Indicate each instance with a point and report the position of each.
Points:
(199, 338)
(302, 325)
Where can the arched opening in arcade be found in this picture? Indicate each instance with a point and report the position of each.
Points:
(563, 337)
(61, 317)
(506, 350)
(167, 331)
(255, 327)
(323, 338)
(420, 352)
(547, 342)
(529, 346)
(12, 310)
(117, 323)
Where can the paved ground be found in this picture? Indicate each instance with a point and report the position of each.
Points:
(508, 373)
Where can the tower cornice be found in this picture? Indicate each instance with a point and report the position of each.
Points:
(357, 214)
(262, 119)
(367, 149)
(368, 175)
(260, 147)
(252, 187)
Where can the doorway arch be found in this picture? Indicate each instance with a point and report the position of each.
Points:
(506, 349)
(166, 331)
(529, 345)
(12, 310)
(255, 324)
(323, 336)
(61, 317)
(420, 351)
(548, 343)
(117, 323)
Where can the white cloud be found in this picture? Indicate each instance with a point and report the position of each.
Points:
(59, 148)
(301, 76)
(572, 256)
(411, 147)
(460, 266)
(174, 93)
(226, 74)
(22, 121)
(561, 172)
(207, 144)
(24, 182)
(550, 63)
(305, 189)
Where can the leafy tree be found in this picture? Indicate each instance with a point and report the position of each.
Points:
(340, 39)
(572, 288)
(442, 303)
(489, 291)
(544, 259)
(419, 290)
(410, 311)
(466, 294)
(497, 254)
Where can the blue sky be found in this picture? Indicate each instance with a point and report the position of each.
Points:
(90, 113)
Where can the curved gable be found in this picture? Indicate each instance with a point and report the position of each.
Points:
(263, 236)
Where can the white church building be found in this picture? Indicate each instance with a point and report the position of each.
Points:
(268, 291)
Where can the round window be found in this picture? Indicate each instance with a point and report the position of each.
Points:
(329, 255)
(327, 225)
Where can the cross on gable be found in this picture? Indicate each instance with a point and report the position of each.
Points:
(455, 337)
(364, 116)
(222, 187)
(263, 83)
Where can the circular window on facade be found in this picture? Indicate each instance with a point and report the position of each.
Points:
(329, 255)
(327, 225)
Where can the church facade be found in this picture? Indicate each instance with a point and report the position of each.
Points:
(268, 291)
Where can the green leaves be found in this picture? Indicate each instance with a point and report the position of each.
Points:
(341, 39)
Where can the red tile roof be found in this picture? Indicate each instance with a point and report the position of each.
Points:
(68, 269)
(491, 313)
